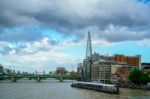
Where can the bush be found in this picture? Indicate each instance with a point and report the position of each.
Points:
(138, 77)
(109, 82)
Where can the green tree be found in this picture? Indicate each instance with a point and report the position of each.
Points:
(109, 82)
(144, 79)
(138, 77)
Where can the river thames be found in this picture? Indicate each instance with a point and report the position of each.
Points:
(53, 89)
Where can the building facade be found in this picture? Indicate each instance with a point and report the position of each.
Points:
(104, 71)
(132, 61)
(120, 72)
(80, 69)
(104, 67)
(1, 69)
(101, 71)
(146, 68)
(87, 62)
(61, 70)
(87, 69)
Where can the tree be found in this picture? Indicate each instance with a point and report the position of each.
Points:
(138, 77)
(109, 82)
(144, 79)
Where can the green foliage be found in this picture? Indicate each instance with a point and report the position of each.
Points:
(138, 77)
(144, 79)
(109, 82)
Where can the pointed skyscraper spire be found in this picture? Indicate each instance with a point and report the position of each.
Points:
(88, 46)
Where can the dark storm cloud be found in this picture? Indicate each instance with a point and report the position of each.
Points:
(76, 16)
(118, 34)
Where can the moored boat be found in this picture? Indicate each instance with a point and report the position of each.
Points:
(108, 88)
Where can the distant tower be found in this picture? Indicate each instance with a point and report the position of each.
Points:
(88, 46)
(88, 61)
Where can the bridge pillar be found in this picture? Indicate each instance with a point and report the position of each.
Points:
(61, 79)
(44, 78)
(38, 78)
(30, 78)
(13, 79)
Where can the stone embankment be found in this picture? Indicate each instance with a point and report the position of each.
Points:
(132, 85)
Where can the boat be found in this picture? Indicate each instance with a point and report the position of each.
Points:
(108, 88)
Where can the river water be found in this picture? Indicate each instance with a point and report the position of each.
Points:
(53, 89)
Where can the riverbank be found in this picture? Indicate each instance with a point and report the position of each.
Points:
(133, 86)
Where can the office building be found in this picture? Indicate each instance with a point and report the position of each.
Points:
(1, 69)
(101, 70)
(87, 62)
(61, 70)
(132, 61)
(80, 69)
(120, 71)
(109, 70)
(146, 68)
(94, 65)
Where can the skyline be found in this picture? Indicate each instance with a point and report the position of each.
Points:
(43, 35)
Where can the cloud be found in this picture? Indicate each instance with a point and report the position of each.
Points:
(44, 44)
(5, 48)
(39, 55)
(119, 34)
(71, 17)
(21, 34)
(24, 25)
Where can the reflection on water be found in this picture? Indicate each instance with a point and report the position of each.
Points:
(53, 89)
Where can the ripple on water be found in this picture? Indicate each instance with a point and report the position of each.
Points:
(53, 89)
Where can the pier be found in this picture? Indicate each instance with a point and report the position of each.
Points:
(114, 89)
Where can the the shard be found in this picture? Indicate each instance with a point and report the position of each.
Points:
(88, 60)
(88, 46)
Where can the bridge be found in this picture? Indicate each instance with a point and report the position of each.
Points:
(38, 78)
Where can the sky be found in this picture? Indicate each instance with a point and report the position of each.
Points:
(46, 34)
